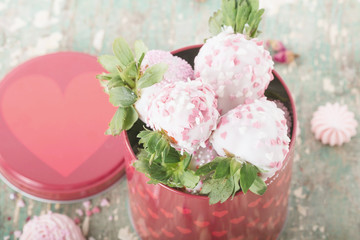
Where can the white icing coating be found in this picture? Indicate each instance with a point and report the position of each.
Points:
(255, 132)
(186, 111)
(51, 226)
(333, 124)
(236, 67)
(178, 70)
(202, 156)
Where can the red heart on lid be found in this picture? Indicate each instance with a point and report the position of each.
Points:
(62, 128)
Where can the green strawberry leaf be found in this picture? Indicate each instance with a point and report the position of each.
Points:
(236, 179)
(229, 8)
(248, 174)
(187, 159)
(123, 119)
(140, 50)
(189, 179)
(122, 52)
(122, 97)
(104, 76)
(223, 169)
(152, 75)
(109, 62)
(215, 23)
(259, 186)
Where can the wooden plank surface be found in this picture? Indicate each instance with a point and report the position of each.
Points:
(325, 192)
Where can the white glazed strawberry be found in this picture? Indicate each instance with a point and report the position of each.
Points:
(178, 70)
(186, 111)
(255, 132)
(287, 115)
(238, 68)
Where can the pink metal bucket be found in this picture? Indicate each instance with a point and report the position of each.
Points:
(160, 212)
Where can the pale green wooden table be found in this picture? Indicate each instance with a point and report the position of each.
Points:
(325, 195)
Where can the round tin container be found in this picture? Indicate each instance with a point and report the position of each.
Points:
(160, 212)
(53, 115)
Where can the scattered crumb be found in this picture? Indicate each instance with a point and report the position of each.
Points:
(91, 238)
(79, 212)
(20, 203)
(104, 203)
(96, 210)
(299, 193)
(12, 196)
(125, 234)
(87, 204)
(302, 210)
(110, 218)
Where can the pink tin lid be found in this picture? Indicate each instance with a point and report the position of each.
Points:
(53, 115)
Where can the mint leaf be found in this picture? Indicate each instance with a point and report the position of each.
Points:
(248, 173)
(123, 52)
(222, 169)
(259, 186)
(140, 49)
(189, 179)
(122, 97)
(152, 75)
(123, 119)
(215, 23)
(109, 62)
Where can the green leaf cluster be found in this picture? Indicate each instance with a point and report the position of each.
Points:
(125, 79)
(162, 163)
(224, 176)
(243, 16)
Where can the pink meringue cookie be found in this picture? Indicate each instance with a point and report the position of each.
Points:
(186, 111)
(255, 132)
(333, 124)
(202, 156)
(287, 115)
(178, 70)
(236, 67)
(51, 226)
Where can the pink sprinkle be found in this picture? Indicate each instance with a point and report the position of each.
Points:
(87, 204)
(236, 61)
(256, 84)
(273, 142)
(96, 210)
(104, 203)
(228, 43)
(260, 93)
(248, 108)
(77, 220)
(216, 52)
(79, 212)
(20, 203)
(285, 151)
(17, 234)
(238, 114)
(278, 124)
(223, 135)
(235, 47)
(283, 122)
(284, 143)
(260, 43)
(185, 135)
(257, 60)
(257, 125)
(249, 101)
(249, 116)
(88, 213)
(245, 90)
(223, 121)
(260, 109)
(253, 78)
(197, 74)
(208, 60)
(278, 141)
(195, 142)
